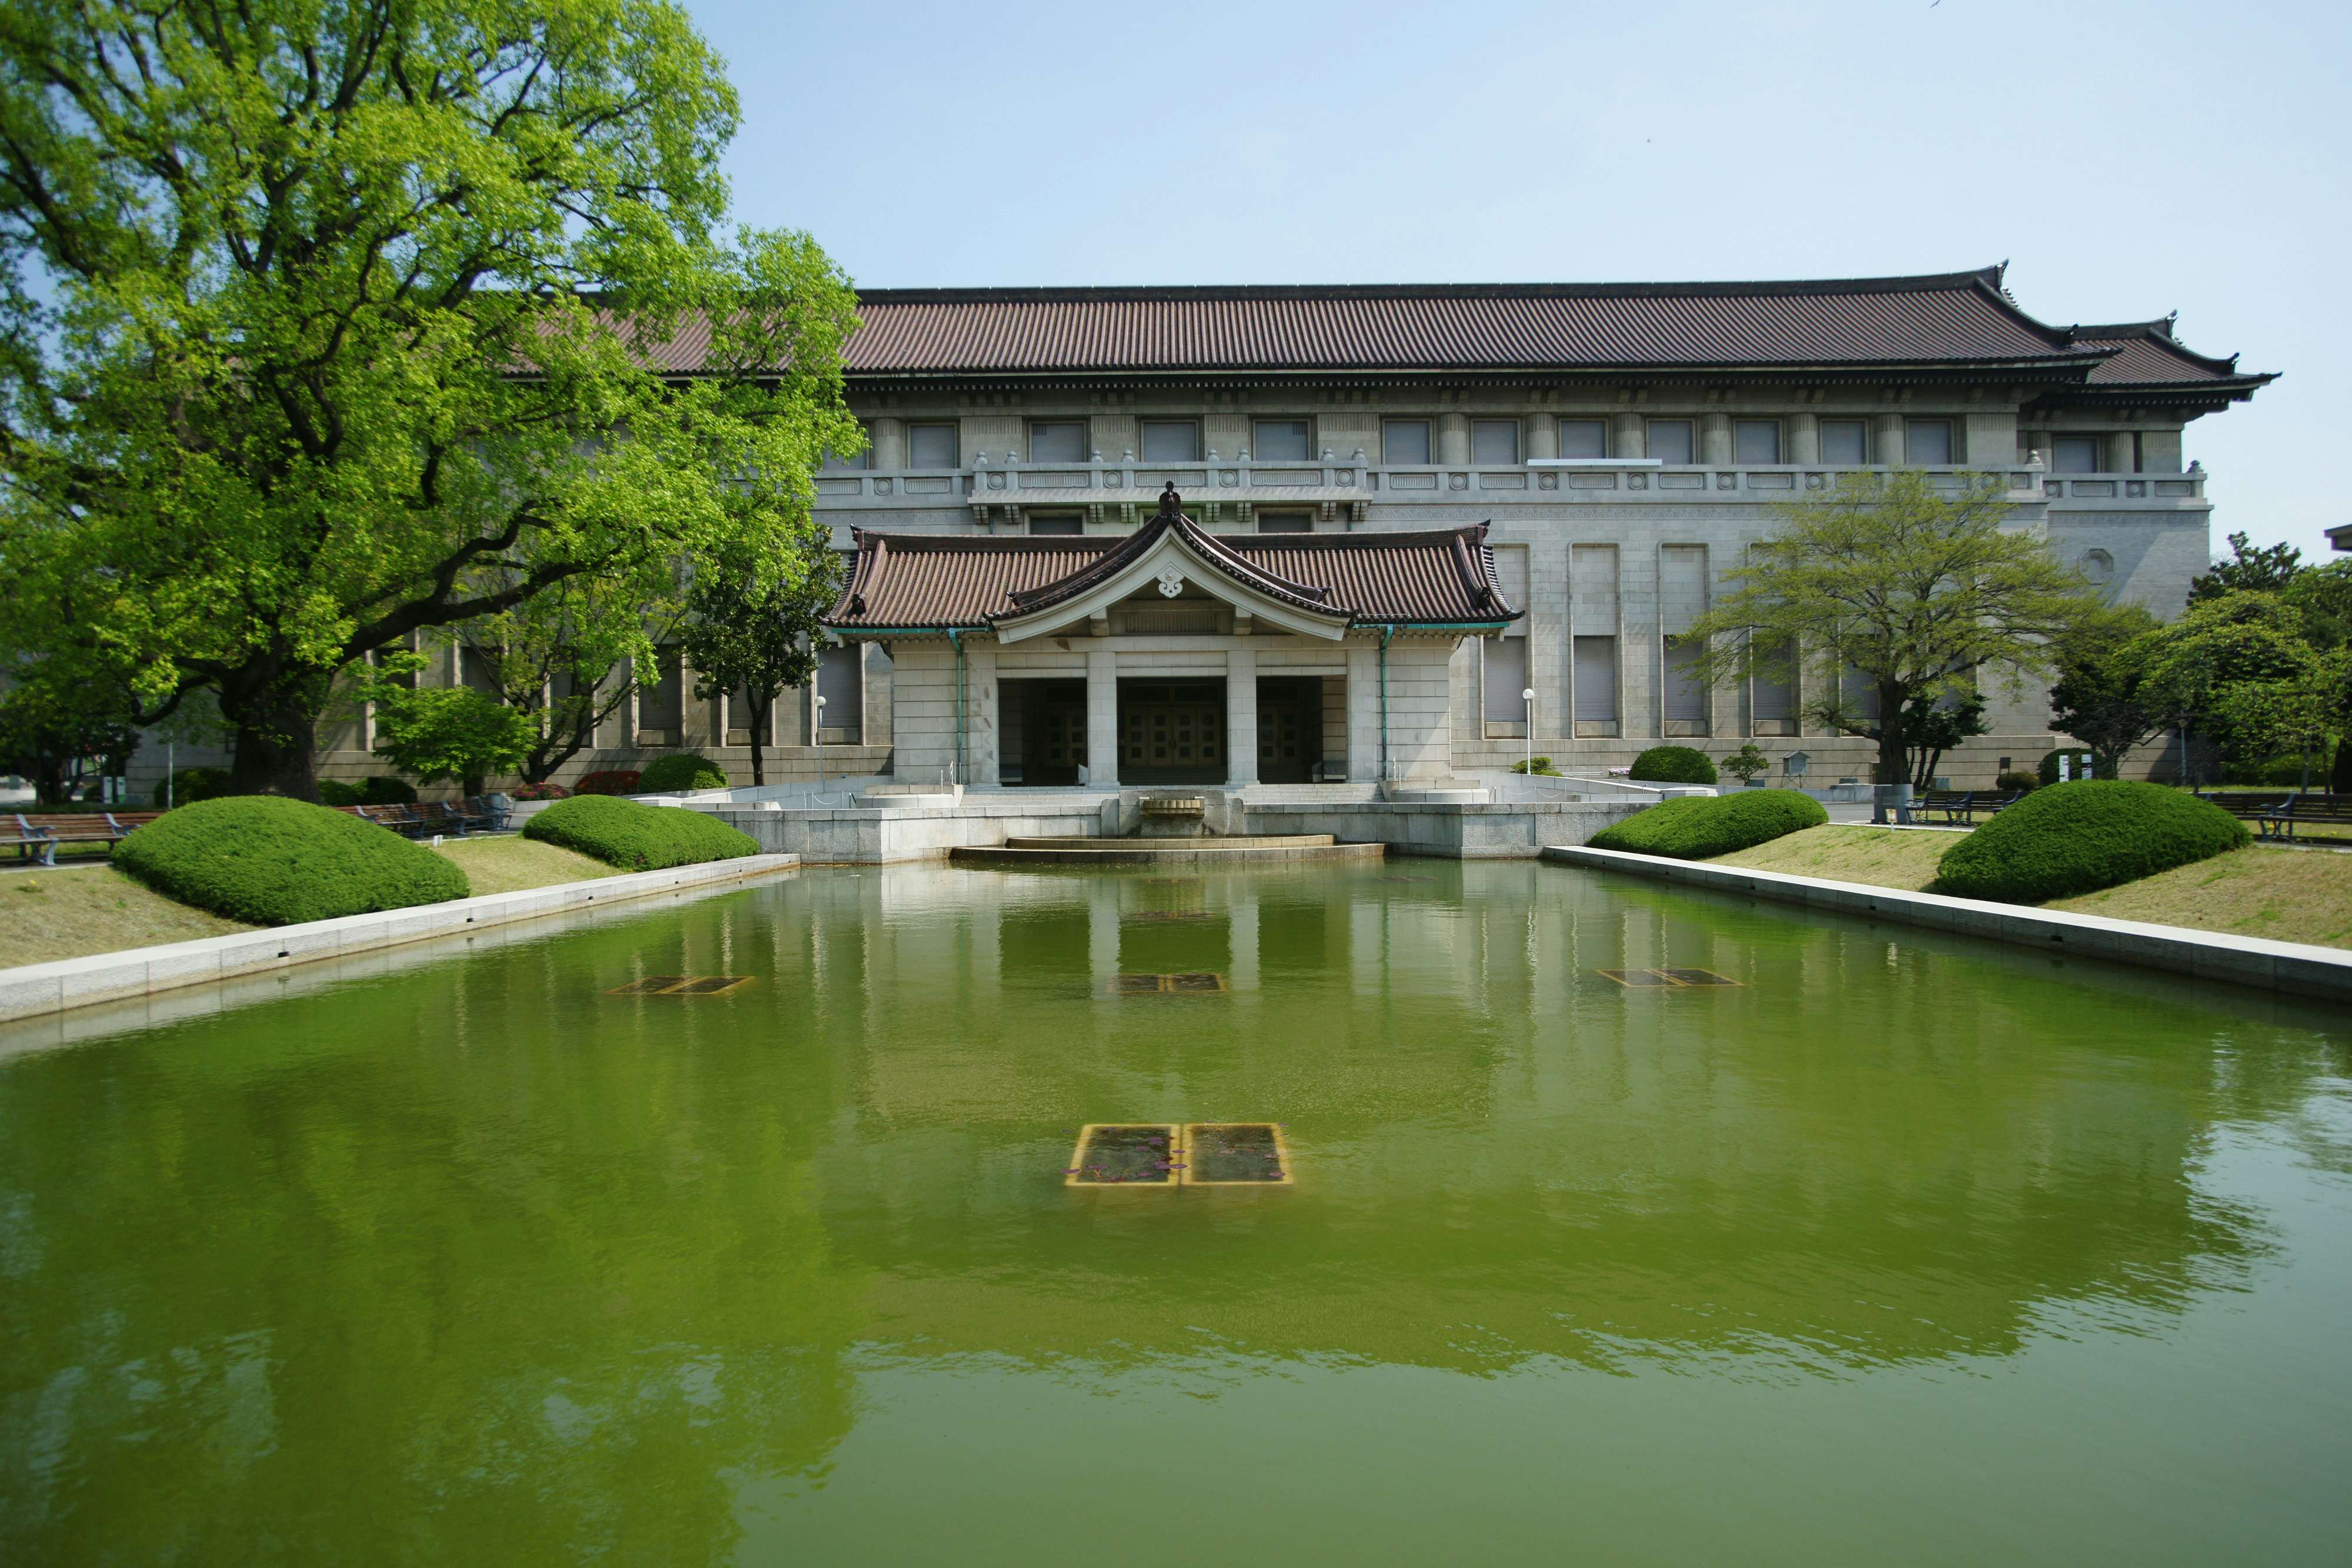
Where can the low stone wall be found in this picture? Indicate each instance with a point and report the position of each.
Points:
(2292, 966)
(859, 835)
(1505, 832)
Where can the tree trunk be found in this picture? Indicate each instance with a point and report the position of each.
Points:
(276, 720)
(762, 706)
(1893, 755)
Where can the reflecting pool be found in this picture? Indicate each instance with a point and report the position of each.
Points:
(1898, 1248)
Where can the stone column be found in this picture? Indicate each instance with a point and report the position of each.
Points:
(1804, 438)
(1102, 716)
(1364, 714)
(1886, 449)
(1240, 716)
(1543, 435)
(980, 713)
(2118, 458)
(1715, 440)
(1453, 439)
(888, 449)
(1631, 438)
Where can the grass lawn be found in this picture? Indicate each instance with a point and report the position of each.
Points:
(2286, 896)
(76, 911)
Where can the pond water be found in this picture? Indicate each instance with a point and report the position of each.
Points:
(1900, 1248)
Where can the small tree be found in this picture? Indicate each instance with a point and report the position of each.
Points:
(48, 725)
(2099, 696)
(450, 732)
(2249, 570)
(2242, 668)
(1746, 762)
(569, 656)
(752, 628)
(1914, 589)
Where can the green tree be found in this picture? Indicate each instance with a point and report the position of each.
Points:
(2249, 569)
(46, 725)
(321, 325)
(568, 657)
(751, 627)
(450, 732)
(2098, 697)
(2242, 668)
(1913, 587)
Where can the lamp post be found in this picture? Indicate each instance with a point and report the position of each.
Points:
(1528, 696)
(816, 739)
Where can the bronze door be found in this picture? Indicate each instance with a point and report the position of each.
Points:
(1171, 734)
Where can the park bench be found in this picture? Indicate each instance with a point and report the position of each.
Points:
(37, 837)
(1961, 805)
(2279, 816)
(406, 820)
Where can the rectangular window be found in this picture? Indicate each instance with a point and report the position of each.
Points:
(1057, 441)
(1584, 438)
(743, 718)
(1596, 680)
(931, 447)
(1926, 443)
(1773, 692)
(1670, 440)
(841, 682)
(2075, 455)
(1756, 441)
(1285, 523)
(478, 670)
(1845, 441)
(1057, 523)
(1494, 441)
(1507, 679)
(1171, 440)
(1279, 441)
(1404, 441)
(661, 704)
(1686, 704)
(863, 460)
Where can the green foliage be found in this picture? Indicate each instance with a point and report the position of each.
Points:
(570, 656)
(47, 723)
(382, 789)
(1674, 765)
(341, 792)
(2019, 780)
(2245, 669)
(1536, 765)
(610, 781)
(450, 732)
(189, 785)
(678, 772)
(275, 862)
(2248, 570)
(2079, 838)
(636, 836)
(1700, 826)
(1910, 589)
(752, 628)
(2046, 771)
(274, 268)
(1746, 762)
(2100, 696)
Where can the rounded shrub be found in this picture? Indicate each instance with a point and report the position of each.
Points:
(2017, 780)
(383, 789)
(1674, 765)
(192, 784)
(341, 792)
(270, 860)
(2048, 771)
(680, 770)
(1700, 826)
(611, 782)
(636, 836)
(2084, 836)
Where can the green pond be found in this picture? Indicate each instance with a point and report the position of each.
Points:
(1899, 1249)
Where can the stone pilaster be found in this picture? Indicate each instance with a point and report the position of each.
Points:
(1453, 439)
(1631, 438)
(1887, 443)
(1804, 438)
(1102, 715)
(889, 439)
(1715, 440)
(1543, 435)
(1240, 716)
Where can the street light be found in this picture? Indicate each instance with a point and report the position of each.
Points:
(816, 734)
(1528, 696)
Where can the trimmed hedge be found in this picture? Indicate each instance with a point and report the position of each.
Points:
(680, 770)
(271, 860)
(636, 836)
(1700, 826)
(611, 782)
(1674, 765)
(2068, 839)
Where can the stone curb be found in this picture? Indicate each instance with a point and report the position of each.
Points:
(2291, 966)
(38, 989)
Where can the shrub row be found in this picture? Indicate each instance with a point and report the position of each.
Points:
(636, 836)
(381, 790)
(1700, 826)
(678, 772)
(270, 861)
(1674, 765)
(2070, 838)
(611, 782)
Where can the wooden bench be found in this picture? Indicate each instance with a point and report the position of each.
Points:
(2279, 816)
(1961, 805)
(37, 838)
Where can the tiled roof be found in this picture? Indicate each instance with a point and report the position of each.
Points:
(1956, 317)
(939, 582)
(2146, 354)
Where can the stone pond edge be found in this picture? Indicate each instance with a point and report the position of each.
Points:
(2295, 968)
(36, 990)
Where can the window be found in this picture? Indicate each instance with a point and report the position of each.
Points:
(1773, 692)
(661, 704)
(2075, 455)
(1858, 697)
(1584, 438)
(1596, 680)
(743, 718)
(864, 459)
(1057, 523)
(1686, 704)
(1670, 440)
(1926, 443)
(1756, 441)
(840, 680)
(1285, 523)
(1845, 441)
(1404, 441)
(1279, 441)
(1171, 440)
(1507, 679)
(931, 447)
(478, 670)
(1494, 441)
(1057, 441)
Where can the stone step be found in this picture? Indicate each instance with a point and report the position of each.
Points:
(1257, 841)
(1164, 852)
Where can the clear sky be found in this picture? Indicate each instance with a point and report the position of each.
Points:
(2127, 160)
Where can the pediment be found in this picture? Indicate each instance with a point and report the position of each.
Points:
(1175, 568)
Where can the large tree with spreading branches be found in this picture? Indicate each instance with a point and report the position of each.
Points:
(325, 323)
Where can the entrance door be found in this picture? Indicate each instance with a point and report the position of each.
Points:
(1171, 733)
(1289, 730)
(1053, 720)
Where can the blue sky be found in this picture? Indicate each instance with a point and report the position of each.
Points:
(2127, 160)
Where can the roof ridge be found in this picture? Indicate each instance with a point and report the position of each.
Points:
(1920, 282)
